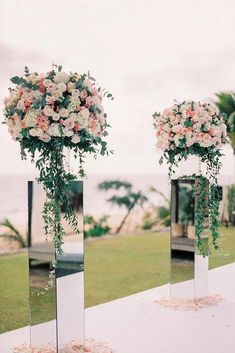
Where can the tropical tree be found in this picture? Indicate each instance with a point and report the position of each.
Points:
(129, 198)
(12, 233)
(160, 215)
(226, 104)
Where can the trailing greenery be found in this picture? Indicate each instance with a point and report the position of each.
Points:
(47, 113)
(195, 129)
(207, 198)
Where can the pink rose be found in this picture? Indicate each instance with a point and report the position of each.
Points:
(91, 123)
(76, 127)
(23, 124)
(69, 123)
(211, 132)
(83, 94)
(89, 101)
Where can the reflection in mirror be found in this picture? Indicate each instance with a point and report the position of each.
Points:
(57, 315)
(14, 313)
(188, 265)
(182, 238)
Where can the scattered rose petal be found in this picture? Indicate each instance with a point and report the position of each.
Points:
(190, 304)
(90, 346)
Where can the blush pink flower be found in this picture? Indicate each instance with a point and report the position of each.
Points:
(91, 123)
(76, 127)
(83, 94)
(89, 101)
(69, 123)
(23, 124)
(211, 132)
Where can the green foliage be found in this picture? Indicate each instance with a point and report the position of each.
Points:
(13, 233)
(226, 104)
(206, 210)
(115, 185)
(231, 201)
(164, 215)
(55, 180)
(96, 228)
(187, 204)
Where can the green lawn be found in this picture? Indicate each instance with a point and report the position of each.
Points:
(114, 268)
(14, 292)
(125, 265)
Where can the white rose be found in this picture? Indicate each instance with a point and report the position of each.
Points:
(64, 112)
(84, 114)
(56, 116)
(73, 116)
(31, 118)
(35, 132)
(73, 105)
(36, 95)
(49, 99)
(32, 78)
(45, 138)
(48, 110)
(47, 82)
(75, 93)
(61, 77)
(54, 130)
(71, 86)
(67, 132)
(86, 83)
(56, 94)
(75, 139)
(62, 87)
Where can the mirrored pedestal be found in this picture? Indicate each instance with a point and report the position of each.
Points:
(57, 314)
(189, 269)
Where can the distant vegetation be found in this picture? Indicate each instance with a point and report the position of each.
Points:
(128, 199)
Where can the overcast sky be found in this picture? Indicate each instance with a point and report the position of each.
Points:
(147, 53)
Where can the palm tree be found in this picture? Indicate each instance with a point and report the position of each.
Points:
(13, 233)
(226, 104)
(129, 200)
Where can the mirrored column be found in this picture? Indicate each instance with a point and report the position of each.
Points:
(182, 238)
(57, 314)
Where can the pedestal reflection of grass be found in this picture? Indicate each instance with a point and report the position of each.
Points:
(114, 268)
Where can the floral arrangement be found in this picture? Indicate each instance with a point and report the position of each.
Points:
(46, 113)
(195, 128)
(191, 128)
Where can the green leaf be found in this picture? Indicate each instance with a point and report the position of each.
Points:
(188, 123)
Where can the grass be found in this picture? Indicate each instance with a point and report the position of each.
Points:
(14, 292)
(124, 265)
(114, 267)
